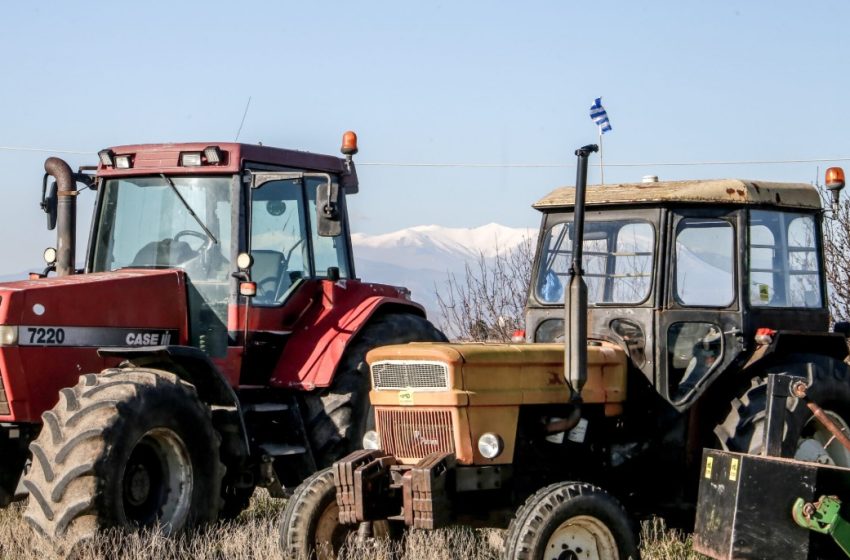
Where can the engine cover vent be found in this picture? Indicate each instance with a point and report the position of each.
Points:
(410, 374)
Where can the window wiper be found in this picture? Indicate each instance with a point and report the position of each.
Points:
(189, 208)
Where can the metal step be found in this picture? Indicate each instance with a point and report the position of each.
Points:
(280, 449)
(265, 407)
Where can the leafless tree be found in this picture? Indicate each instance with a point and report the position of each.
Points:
(836, 236)
(488, 302)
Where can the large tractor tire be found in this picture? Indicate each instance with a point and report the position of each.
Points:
(571, 520)
(338, 416)
(804, 437)
(125, 448)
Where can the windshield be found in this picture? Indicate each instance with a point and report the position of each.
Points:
(618, 257)
(144, 224)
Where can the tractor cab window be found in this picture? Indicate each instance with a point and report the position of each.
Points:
(784, 262)
(143, 223)
(278, 240)
(705, 262)
(618, 260)
(285, 243)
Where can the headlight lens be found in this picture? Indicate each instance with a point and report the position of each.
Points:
(371, 440)
(8, 335)
(490, 445)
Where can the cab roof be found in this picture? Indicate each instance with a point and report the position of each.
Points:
(165, 158)
(714, 192)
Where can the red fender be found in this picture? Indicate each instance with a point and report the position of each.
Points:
(317, 345)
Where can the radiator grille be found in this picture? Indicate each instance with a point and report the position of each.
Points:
(414, 434)
(400, 374)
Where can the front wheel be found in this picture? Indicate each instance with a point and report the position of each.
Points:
(126, 448)
(571, 520)
(310, 528)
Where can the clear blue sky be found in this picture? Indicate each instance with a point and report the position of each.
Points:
(483, 82)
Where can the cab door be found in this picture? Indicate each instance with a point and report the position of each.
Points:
(699, 328)
(289, 261)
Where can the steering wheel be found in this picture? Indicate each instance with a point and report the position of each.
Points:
(190, 233)
(267, 288)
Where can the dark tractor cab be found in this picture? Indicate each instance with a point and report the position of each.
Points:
(683, 275)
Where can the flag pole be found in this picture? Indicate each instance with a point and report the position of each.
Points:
(601, 168)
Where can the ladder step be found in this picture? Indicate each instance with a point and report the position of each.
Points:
(279, 449)
(265, 407)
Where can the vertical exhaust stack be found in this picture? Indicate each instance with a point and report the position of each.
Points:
(66, 214)
(575, 309)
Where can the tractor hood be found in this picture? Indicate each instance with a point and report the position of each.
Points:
(115, 299)
(52, 329)
(490, 374)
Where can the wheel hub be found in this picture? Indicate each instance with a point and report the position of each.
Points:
(138, 485)
(582, 538)
(158, 481)
(817, 444)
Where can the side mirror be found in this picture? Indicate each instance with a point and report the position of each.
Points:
(48, 202)
(328, 218)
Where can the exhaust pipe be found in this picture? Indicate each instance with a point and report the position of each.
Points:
(575, 310)
(66, 215)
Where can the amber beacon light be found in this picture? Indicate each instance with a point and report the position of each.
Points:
(834, 184)
(349, 143)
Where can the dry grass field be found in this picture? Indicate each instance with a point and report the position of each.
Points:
(254, 537)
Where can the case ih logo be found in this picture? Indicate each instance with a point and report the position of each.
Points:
(148, 339)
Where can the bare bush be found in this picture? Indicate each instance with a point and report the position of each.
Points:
(836, 237)
(488, 302)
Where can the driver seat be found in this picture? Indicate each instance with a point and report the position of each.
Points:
(163, 253)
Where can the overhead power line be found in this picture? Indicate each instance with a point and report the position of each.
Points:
(638, 164)
(507, 165)
(45, 150)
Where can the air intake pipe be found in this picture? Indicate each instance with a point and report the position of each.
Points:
(66, 214)
(575, 308)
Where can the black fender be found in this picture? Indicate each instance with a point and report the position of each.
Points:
(786, 343)
(195, 367)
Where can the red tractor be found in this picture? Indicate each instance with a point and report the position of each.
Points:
(212, 342)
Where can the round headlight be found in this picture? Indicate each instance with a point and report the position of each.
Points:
(490, 445)
(371, 440)
(8, 335)
(50, 255)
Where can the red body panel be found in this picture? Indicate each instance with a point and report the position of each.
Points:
(322, 317)
(133, 299)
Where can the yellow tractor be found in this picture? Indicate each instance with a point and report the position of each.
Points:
(681, 298)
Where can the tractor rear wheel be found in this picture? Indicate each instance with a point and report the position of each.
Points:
(804, 437)
(338, 416)
(125, 448)
(571, 520)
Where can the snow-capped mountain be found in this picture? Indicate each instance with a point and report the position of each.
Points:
(421, 257)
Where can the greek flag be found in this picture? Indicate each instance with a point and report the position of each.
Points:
(600, 116)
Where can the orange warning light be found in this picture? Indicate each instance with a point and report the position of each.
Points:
(349, 143)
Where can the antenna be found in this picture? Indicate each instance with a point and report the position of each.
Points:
(245, 114)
